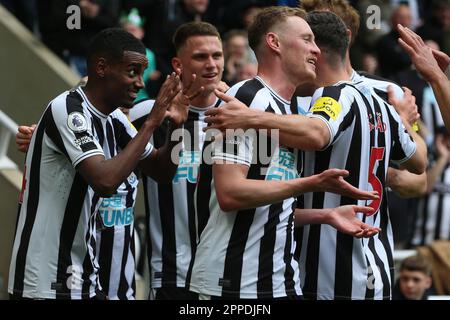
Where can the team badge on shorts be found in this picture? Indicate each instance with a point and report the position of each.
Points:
(77, 122)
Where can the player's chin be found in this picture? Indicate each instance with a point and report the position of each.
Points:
(127, 102)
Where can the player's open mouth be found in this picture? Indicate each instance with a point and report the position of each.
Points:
(210, 75)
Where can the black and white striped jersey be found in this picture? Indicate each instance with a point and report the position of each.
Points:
(170, 207)
(433, 220)
(366, 133)
(115, 241)
(248, 253)
(54, 248)
(430, 112)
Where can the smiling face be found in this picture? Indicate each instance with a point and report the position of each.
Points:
(298, 50)
(203, 56)
(124, 79)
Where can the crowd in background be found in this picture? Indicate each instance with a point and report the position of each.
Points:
(376, 51)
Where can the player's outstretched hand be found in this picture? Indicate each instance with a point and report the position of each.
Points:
(169, 90)
(332, 180)
(179, 107)
(429, 63)
(344, 219)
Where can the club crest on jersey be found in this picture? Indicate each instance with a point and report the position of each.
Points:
(328, 105)
(77, 122)
(132, 178)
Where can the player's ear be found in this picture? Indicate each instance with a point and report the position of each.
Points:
(349, 35)
(273, 41)
(176, 64)
(101, 67)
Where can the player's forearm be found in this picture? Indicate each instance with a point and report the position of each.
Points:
(441, 89)
(164, 165)
(419, 161)
(435, 172)
(105, 176)
(406, 184)
(295, 131)
(311, 216)
(246, 193)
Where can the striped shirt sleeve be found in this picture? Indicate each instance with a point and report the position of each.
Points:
(125, 131)
(70, 131)
(330, 105)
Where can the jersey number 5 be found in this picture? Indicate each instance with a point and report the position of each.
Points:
(376, 154)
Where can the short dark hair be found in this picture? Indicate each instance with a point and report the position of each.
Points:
(330, 34)
(111, 43)
(266, 19)
(192, 29)
(416, 263)
(342, 8)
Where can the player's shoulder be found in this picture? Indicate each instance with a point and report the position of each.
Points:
(246, 90)
(334, 91)
(63, 98)
(376, 81)
(141, 109)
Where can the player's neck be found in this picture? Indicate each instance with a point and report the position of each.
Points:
(278, 82)
(330, 76)
(348, 64)
(96, 98)
(204, 100)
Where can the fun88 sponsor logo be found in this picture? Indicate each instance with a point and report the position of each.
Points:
(283, 166)
(114, 213)
(188, 167)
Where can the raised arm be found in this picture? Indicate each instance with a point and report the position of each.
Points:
(103, 175)
(431, 64)
(162, 163)
(295, 131)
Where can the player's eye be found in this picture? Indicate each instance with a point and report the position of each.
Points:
(132, 73)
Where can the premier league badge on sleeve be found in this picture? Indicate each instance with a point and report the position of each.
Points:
(77, 122)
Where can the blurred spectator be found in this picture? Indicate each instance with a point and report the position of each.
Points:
(237, 53)
(369, 63)
(133, 23)
(371, 30)
(415, 281)
(24, 10)
(163, 17)
(417, 10)
(71, 45)
(247, 71)
(433, 220)
(392, 58)
(240, 13)
(437, 27)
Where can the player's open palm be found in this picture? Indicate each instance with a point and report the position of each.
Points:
(332, 180)
(345, 220)
(179, 107)
(169, 90)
